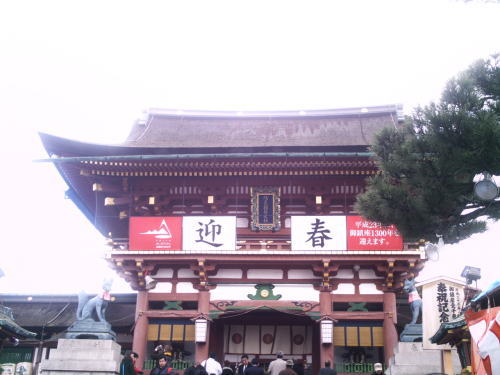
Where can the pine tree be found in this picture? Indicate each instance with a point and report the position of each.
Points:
(427, 165)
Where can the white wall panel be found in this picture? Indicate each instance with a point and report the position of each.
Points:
(296, 292)
(226, 273)
(186, 273)
(265, 274)
(235, 292)
(369, 289)
(301, 274)
(368, 274)
(186, 288)
(163, 288)
(345, 274)
(345, 289)
(164, 272)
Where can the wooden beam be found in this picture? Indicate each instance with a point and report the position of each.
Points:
(357, 315)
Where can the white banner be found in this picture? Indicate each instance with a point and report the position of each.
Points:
(234, 336)
(319, 233)
(267, 339)
(299, 340)
(209, 232)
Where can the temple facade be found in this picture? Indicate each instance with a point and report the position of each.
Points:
(239, 234)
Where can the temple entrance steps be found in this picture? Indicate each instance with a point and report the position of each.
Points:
(410, 358)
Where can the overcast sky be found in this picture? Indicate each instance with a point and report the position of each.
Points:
(87, 69)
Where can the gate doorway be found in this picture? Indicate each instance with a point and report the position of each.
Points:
(262, 332)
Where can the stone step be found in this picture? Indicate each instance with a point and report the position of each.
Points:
(87, 355)
(411, 358)
(426, 356)
(86, 344)
(79, 366)
(83, 357)
(408, 347)
(419, 369)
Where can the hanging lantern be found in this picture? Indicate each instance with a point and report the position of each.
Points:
(326, 331)
(200, 330)
(486, 189)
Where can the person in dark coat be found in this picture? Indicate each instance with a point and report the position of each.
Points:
(162, 368)
(191, 370)
(254, 369)
(199, 370)
(226, 369)
(298, 366)
(243, 366)
(327, 370)
(127, 364)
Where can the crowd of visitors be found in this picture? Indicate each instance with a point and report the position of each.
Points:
(211, 366)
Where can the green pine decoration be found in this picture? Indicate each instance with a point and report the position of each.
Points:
(264, 292)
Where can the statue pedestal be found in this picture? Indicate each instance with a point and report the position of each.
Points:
(90, 329)
(411, 333)
(84, 357)
(410, 358)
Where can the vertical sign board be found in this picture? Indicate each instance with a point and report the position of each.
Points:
(364, 234)
(442, 301)
(318, 232)
(209, 233)
(155, 233)
(265, 209)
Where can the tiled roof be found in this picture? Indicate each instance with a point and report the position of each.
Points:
(327, 128)
(10, 327)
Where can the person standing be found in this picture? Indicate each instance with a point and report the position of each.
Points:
(227, 370)
(327, 370)
(298, 366)
(162, 368)
(191, 370)
(211, 365)
(199, 369)
(278, 365)
(244, 365)
(254, 369)
(127, 365)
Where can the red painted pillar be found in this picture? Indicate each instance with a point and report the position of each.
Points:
(390, 319)
(141, 326)
(325, 308)
(203, 307)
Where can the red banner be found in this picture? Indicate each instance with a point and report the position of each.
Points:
(484, 328)
(363, 234)
(155, 233)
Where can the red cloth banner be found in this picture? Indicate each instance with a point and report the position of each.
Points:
(484, 328)
(363, 234)
(155, 233)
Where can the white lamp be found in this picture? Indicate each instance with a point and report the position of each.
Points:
(486, 189)
(150, 282)
(326, 331)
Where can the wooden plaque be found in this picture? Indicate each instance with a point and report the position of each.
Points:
(265, 209)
